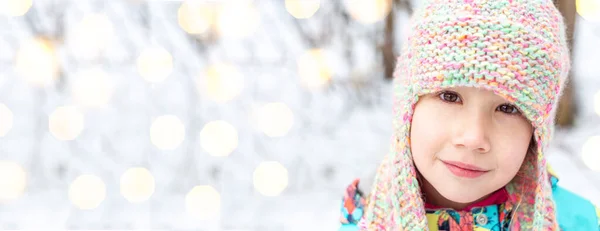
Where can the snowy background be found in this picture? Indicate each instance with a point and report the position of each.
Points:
(214, 115)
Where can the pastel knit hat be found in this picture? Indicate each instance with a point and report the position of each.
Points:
(515, 48)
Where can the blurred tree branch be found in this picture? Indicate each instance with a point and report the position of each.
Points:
(567, 108)
(387, 50)
(388, 47)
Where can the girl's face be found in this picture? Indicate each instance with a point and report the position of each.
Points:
(467, 143)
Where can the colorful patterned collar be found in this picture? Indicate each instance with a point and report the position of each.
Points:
(491, 217)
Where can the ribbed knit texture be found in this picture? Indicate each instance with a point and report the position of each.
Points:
(515, 48)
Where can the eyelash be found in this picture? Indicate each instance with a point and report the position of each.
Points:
(515, 110)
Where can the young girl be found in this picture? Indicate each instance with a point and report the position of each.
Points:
(476, 91)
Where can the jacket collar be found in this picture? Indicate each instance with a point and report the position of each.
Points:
(498, 197)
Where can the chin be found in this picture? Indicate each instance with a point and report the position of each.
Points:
(461, 194)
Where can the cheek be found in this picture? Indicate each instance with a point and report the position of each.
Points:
(511, 142)
(427, 132)
(512, 151)
(508, 166)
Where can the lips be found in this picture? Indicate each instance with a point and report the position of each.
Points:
(464, 170)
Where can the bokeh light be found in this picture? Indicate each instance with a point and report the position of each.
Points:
(66, 123)
(195, 17)
(597, 103)
(167, 132)
(36, 62)
(15, 8)
(221, 83)
(270, 178)
(91, 36)
(274, 119)
(590, 153)
(588, 9)
(13, 180)
(368, 11)
(155, 64)
(92, 88)
(302, 9)
(6, 120)
(203, 202)
(218, 138)
(137, 185)
(313, 69)
(87, 192)
(238, 19)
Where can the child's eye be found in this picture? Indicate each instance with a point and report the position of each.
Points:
(508, 109)
(449, 97)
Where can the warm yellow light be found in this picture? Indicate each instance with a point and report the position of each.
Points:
(13, 180)
(15, 7)
(274, 119)
(588, 9)
(155, 64)
(92, 88)
(368, 11)
(203, 202)
(195, 17)
(313, 69)
(137, 185)
(238, 19)
(91, 36)
(221, 82)
(590, 153)
(6, 120)
(167, 132)
(270, 178)
(302, 8)
(218, 138)
(66, 123)
(87, 192)
(36, 61)
(597, 103)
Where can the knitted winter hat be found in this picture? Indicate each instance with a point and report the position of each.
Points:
(517, 49)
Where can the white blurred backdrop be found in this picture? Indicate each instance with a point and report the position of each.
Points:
(216, 115)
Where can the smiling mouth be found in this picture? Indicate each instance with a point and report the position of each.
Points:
(464, 170)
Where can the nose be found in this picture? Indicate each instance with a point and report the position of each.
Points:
(472, 133)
